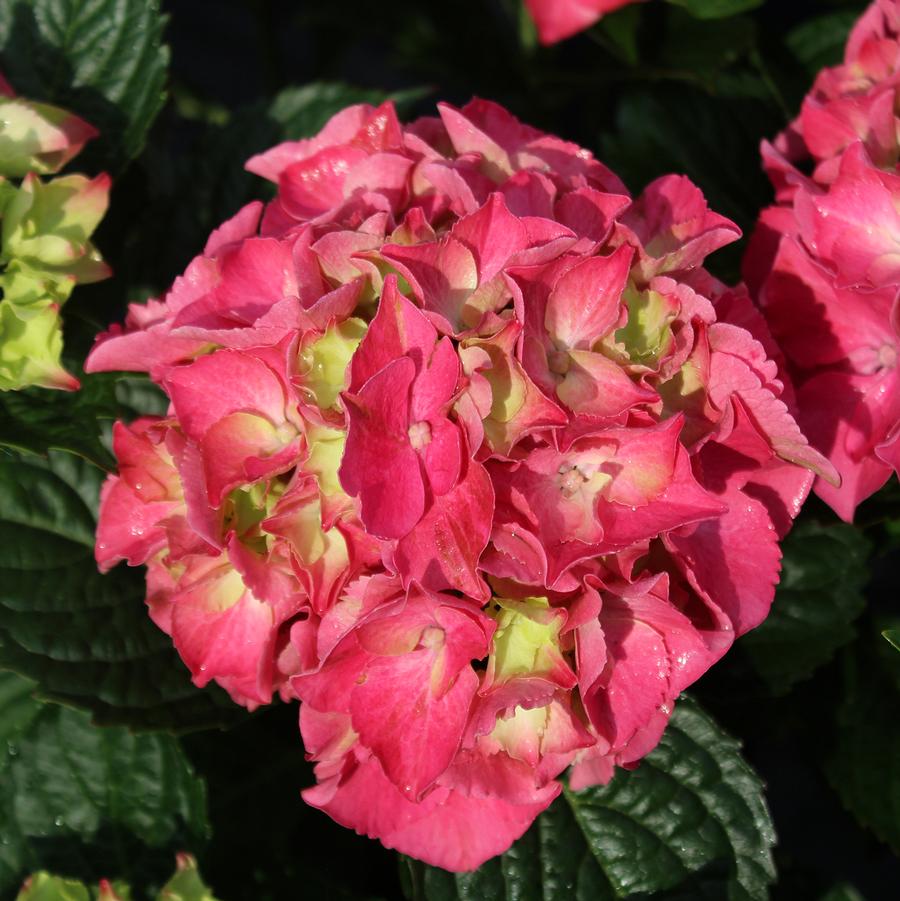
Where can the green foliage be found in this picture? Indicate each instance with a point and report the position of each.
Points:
(103, 59)
(843, 892)
(84, 637)
(76, 798)
(716, 9)
(864, 763)
(690, 822)
(824, 571)
(819, 42)
(185, 885)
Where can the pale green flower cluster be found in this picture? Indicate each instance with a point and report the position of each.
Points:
(45, 230)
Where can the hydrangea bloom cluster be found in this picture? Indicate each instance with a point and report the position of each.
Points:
(468, 453)
(825, 260)
(45, 227)
(559, 19)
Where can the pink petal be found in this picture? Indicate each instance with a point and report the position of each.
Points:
(397, 329)
(585, 302)
(443, 549)
(379, 464)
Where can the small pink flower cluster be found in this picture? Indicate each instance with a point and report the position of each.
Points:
(467, 452)
(824, 262)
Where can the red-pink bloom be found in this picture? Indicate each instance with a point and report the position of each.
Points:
(559, 19)
(825, 262)
(468, 453)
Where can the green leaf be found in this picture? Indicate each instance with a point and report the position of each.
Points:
(863, 765)
(690, 822)
(102, 59)
(824, 571)
(842, 892)
(893, 636)
(37, 421)
(18, 708)
(85, 638)
(716, 9)
(819, 42)
(83, 800)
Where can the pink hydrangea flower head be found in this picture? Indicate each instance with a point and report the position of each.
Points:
(467, 453)
(824, 262)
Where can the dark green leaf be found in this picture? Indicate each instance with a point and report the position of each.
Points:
(819, 42)
(38, 421)
(842, 892)
(84, 637)
(893, 636)
(75, 797)
(103, 59)
(863, 765)
(690, 822)
(697, 50)
(824, 571)
(716, 9)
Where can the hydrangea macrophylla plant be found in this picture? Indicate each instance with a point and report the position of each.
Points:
(45, 230)
(468, 453)
(559, 19)
(824, 260)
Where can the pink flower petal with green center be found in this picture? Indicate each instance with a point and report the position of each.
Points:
(585, 302)
(443, 274)
(398, 329)
(683, 501)
(595, 386)
(224, 633)
(242, 448)
(674, 228)
(226, 382)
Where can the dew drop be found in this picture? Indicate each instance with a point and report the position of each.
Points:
(58, 821)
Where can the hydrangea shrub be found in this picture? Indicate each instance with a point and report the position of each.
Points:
(467, 452)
